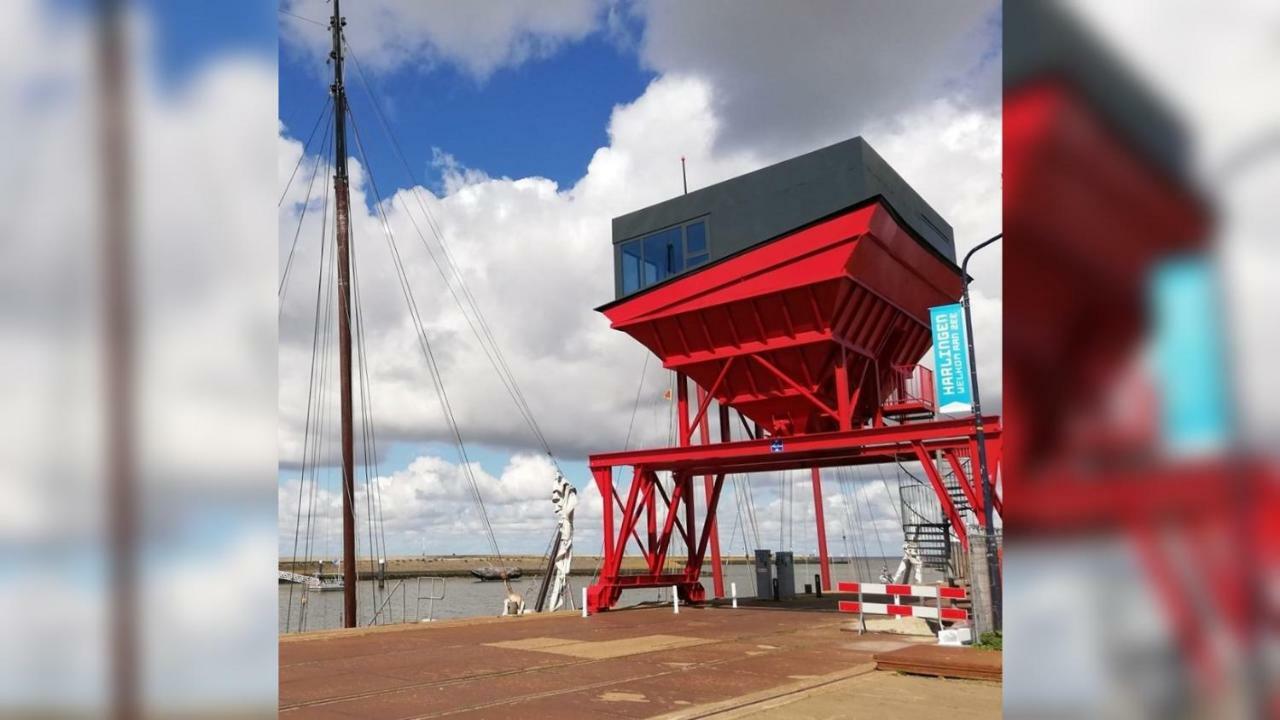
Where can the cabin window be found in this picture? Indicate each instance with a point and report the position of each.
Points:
(695, 244)
(631, 266)
(655, 257)
(674, 251)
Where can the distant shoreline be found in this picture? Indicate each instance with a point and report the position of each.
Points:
(461, 565)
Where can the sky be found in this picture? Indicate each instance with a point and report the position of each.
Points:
(524, 131)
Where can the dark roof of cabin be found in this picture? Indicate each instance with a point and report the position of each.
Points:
(762, 205)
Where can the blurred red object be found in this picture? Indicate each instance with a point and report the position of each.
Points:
(1095, 197)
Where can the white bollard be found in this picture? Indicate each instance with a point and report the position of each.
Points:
(584, 602)
(675, 600)
(733, 591)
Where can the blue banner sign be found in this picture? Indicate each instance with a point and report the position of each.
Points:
(950, 358)
(1189, 349)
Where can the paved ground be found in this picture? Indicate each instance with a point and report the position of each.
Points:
(712, 662)
(875, 696)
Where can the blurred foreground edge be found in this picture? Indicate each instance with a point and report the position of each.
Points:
(119, 357)
(1096, 199)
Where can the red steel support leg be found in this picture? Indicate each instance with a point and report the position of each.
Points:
(689, 510)
(673, 508)
(704, 432)
(974, 498)
(823, 562)
(603, 594)
(604, 485)
(651, 519)
(682, 409)
(842, 391)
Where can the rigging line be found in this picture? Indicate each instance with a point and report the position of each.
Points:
(866, 542)
(307, 423)
(748, 498)
(373, 479)
(365, 419)
(853, 518)
(896, 510)
(635, 408)
(875, 526)
(284, 279)
(324, 111)
(325, 271)
(425, 345)
(305, 19)
(316, 425)
(484, 334)
(504, 370)
(751, 510)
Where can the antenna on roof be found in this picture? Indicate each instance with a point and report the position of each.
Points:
(683, 177)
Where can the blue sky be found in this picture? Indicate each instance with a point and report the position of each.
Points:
(544, 117)
(189, 35)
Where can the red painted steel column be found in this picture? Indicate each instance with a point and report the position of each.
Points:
(693, 565)
(651, 507)
(604, 485)
(843, 408)
(823, 561)
(717, 572)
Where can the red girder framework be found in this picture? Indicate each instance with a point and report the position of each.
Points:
(644, 517)
(811, 338)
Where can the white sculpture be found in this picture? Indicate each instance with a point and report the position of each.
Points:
(565, 498)
(910, 559)
(514, 604)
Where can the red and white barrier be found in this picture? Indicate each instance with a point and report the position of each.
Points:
(924, 592)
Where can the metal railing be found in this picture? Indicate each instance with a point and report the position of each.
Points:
(435, 592)
(912, 385)
(387, 599)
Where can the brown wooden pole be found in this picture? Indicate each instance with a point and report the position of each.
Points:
(118, 375)
(342, 223)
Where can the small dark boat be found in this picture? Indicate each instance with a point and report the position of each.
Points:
(493, 573)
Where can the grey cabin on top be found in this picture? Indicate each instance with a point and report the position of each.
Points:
(687, 232)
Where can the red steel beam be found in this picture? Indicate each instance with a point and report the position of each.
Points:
(604, 485)
(618, 501)
(823, 563)
(663, 493)
(664, 541)
(717, 569)
(941, 491)
(796, 386)
(613, 563)
(801, 449)
(974, 498)
(749, 347)
(713, 501)
(704, 400)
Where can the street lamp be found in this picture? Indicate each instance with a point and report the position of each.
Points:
(993, 563)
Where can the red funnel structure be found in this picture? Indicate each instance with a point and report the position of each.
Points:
(812, 334)
(808, 333)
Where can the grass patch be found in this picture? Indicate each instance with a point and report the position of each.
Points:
(990, 641)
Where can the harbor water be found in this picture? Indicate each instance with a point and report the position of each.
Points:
(464, 597)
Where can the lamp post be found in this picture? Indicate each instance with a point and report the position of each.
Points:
(988, 524)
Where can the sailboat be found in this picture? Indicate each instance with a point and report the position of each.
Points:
(350, 336)
(490, 573)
